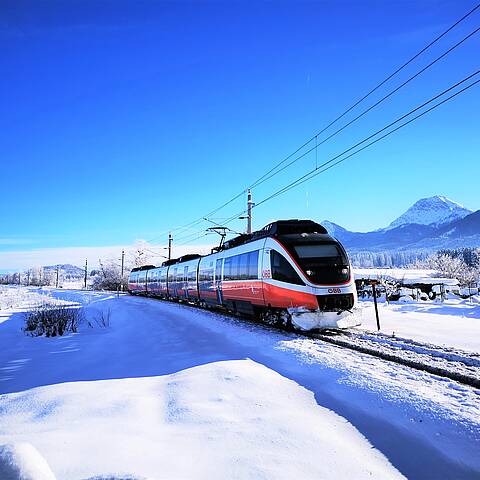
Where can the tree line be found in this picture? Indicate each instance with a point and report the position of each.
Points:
(107, 276)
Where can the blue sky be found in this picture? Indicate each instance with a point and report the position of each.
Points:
(121, 120)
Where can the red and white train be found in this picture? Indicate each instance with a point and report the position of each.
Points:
(290, 273)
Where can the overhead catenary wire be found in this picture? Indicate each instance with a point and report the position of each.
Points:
(332, 162)
(193, 240)
(388, 95)
(373, 90)
(263, 178)
(226, 222)
(221, 226)
(316, 171)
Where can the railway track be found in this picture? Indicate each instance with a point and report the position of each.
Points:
(457, 365)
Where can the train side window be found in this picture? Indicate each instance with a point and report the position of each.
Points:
(209, 275)
(243, 266)
(227, 268)
(282, 270)
(235, 267)
(253, 265)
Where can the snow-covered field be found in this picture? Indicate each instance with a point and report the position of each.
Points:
(168, 391)
(454, 323)
(24, 297)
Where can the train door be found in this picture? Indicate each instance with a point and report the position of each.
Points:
(174, 283)
(265, 268)
(185, 281)
(218, 280)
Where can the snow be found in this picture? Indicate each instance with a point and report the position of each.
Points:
(453, 323)
(182, 425)
(22, 461)
(169, 391)
(24, 297)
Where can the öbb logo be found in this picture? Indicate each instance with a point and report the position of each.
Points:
(334, 290)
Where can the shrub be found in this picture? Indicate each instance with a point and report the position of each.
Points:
(100, 319)
(52, 320)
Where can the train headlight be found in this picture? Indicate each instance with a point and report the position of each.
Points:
(345, 271)
(309, 272)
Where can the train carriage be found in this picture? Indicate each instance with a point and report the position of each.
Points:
(290, 273)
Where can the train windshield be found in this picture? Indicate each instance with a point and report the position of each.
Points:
(323, 263)
(323, 250)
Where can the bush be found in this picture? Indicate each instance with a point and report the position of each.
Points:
(100, 319)
(52, 320)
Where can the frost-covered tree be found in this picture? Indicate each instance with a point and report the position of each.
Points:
(109, 277)
(449, 266)
(37, 276)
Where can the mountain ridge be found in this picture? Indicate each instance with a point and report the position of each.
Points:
(436, 210)
(450, 225)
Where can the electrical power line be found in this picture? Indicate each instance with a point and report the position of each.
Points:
(349, 109)
(316, 171)
(368, 109)
(389, 77)
(329, 163)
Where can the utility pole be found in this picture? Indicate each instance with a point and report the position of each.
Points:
(374, 283)
(170, 241)
(249, 212)
(56, 281)
(85, 277)
(123, 263)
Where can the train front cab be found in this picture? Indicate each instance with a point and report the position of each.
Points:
(310, 276)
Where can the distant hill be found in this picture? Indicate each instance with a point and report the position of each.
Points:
(70, 272)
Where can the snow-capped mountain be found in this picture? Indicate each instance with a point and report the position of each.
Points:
(430, 224)
(434, 211)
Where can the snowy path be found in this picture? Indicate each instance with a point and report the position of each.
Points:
(169, 391)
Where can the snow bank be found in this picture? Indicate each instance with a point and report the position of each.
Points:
(231, 419)
(22, 461)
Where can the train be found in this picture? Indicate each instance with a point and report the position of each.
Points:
(291, 274)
